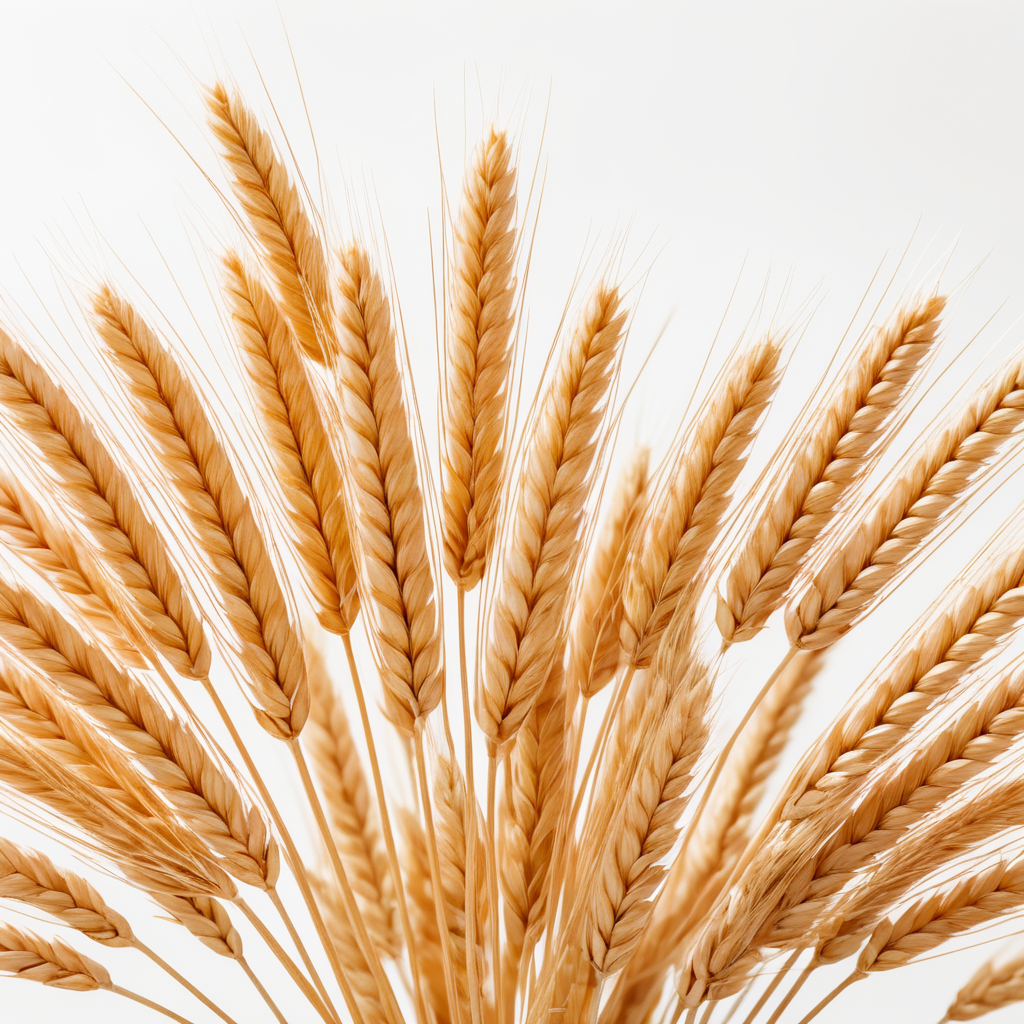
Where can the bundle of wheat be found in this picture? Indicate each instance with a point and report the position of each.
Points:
(627, 880)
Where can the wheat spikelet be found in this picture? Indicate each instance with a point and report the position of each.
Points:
(924, 493)
(52, 962)
(687, 510)
(478, 358)
(30, 877)
(850, 426)
(993, 986)
(532, 803)
(354, 826)
(290, 249)
(206, 919)
(386, 501)
(176, 420)
(303, 464)
(541, 551)
(92, 481)
(594, 650)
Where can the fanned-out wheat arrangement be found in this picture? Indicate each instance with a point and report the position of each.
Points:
(510, 861)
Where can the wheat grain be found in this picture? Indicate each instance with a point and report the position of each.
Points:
(52, 962)
(478, 358)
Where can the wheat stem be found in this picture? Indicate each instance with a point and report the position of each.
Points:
(837, 991)
(792, 993)
(148, 1003)
(435, 878)
(471, 826)
(385, 823)
(258, 985)
(184, 982)
(295, 862)
(492, 880)
(772, 986)
(286, 961)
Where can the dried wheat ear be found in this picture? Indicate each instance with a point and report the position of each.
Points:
(193, 584)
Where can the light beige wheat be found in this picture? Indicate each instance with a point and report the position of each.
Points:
(478, 355)
(828, 463)
(541, 551)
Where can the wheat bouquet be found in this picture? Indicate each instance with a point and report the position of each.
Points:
(475, 848)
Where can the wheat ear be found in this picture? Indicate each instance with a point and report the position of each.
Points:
(630, 871)
(532, 802)
(853, 422)
(594, 649)
(52, 962)
(478, 356)
(388, 516)
(687, 509)
(289, 247)
(304, 464)
(923, 495)
(174, 415)
(541, 551)
(93, 482)
(993, 986)
(356, 833)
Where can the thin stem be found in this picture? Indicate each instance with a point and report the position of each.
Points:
(792, 993)
(492, 878)
(435, 876)
(295, 863)
(389, 837)
(772, 986)
(184, 982)
(355, 917)
(475, 1008)
(691, 1015)
(148, 1003)
(285, 960)
(709, 1008)
(244, 964)
(840, 988)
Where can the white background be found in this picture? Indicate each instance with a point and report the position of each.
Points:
(808, 140)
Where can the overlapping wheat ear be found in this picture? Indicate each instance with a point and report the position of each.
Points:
(625, 883)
